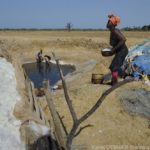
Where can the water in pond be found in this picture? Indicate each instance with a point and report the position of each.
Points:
(38, 72)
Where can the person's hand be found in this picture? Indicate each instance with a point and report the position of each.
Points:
(113, 51)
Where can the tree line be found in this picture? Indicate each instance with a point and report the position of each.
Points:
(69, 27)
(134, 28)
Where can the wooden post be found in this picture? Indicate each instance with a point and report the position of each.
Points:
(58, 128)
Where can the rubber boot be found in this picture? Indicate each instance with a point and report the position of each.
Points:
(114, 78)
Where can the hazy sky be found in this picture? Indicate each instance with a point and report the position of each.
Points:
(81, 13)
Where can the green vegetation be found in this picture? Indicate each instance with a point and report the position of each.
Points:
(143, 28)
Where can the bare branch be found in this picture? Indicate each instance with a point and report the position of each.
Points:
(101, 99)
(62, 123)
(77, 122)
(69, 102)
(81, 128)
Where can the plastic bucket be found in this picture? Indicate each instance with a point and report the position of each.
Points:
(97, 78)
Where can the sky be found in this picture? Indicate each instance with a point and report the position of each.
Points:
(81, 13)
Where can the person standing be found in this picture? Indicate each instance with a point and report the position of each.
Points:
(119, 48)
(39, 57)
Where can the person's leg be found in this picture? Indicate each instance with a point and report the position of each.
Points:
(114, 77)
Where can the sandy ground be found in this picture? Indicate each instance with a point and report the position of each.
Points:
(111, 124)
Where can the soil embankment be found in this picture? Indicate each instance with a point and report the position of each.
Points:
(112, 125)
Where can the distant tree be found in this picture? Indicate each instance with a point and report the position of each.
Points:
(146, 28)
(69, 26)
(134, 28)
(137, 28)
(127, 29)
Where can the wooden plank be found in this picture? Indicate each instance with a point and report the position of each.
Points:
(35, 100)
(30, 95)
(58, 128)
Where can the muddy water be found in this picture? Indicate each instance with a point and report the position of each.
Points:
(38, 72)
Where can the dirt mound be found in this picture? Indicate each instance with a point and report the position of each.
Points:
(136, 101)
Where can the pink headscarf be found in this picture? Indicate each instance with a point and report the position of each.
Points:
(114, 19)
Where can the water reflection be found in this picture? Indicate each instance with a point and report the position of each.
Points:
(38, 72)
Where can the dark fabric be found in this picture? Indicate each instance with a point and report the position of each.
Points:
(120, 54)
(113, 39)
(119, 58)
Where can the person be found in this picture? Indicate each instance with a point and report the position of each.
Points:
(39, 57)
(47, 59)
(119, 48)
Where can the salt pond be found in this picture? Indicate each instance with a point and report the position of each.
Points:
(38, 72)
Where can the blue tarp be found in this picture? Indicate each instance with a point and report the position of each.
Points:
(142, 62)
(143, 47)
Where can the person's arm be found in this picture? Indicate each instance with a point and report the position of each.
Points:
(121, 39)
